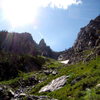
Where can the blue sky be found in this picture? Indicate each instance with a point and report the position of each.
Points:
(58, 25)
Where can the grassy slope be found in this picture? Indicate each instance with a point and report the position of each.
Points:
(84, 89)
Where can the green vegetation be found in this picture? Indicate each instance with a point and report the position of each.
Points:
(83, 89)
(11, 64)
(51, 63)
(90, 73)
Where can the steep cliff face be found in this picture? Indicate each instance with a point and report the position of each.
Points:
(3, 35)
(87, 40)
(24, 44)
(89, 36)
(47, 51)
(18, 43)
(44, 48)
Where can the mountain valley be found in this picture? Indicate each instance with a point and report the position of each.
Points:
(31, 71)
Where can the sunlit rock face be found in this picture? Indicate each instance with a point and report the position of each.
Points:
(55, 84)
(88, 38)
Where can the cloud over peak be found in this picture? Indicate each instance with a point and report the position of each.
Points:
(61, 4)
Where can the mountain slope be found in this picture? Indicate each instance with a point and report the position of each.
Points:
(18, 43)
(23, 43)
(19, 52)
(88, 41)
(89, 36)
(49, 78)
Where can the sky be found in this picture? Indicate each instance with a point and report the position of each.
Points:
(56, 21)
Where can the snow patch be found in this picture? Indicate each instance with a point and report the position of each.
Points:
(64, 62)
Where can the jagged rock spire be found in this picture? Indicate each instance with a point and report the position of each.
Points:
(42, 43)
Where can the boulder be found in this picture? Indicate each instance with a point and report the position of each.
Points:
(98, 86)
(54, 72)
(50, 71)
(55, 84)
(47, 72)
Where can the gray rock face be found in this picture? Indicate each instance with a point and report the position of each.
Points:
(23, 43)
(55, 84)
(18, 43)
(88, 38)
(47, 51)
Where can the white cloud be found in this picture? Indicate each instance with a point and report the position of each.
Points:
(23, 12)
(62, 4)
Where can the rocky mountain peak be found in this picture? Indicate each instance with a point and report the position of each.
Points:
(89, 36)
(42, 43)
(88, 39)
(45, 50)
(19, 43)
(23, 43)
